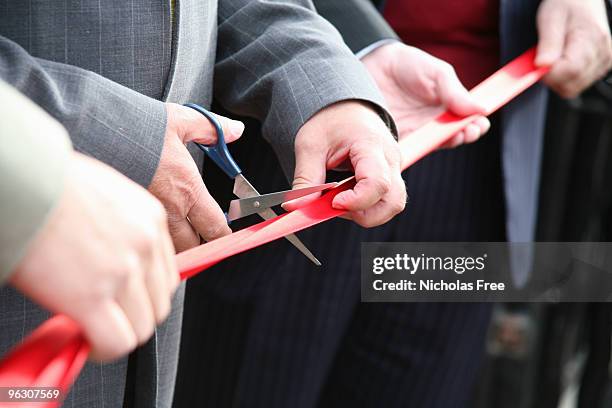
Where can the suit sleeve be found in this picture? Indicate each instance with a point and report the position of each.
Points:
(280, 62)
(110, 122)
(32, 167)
(358, 21)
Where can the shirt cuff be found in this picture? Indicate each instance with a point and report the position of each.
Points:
(374, 46)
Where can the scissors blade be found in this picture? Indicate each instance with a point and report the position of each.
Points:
(251, 205)
(244, 189)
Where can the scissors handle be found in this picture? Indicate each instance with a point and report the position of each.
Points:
(218, 152)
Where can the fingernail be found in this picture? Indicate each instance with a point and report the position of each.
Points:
(545, 58)
(288, 204)
(236, 127)
(338, 202)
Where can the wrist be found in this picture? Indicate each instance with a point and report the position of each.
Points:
(380, 59)
(331, 120)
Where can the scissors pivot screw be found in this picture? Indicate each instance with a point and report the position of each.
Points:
(219, 154)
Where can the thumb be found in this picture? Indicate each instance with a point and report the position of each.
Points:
(551, 32)
(454, 96)
(192, 126)
(310, 169)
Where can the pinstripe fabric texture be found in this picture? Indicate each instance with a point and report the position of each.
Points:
(102, 69)
(523, 129)
(358, 36)
(268, 329)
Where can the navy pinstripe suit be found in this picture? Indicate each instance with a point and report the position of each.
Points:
(268, 329)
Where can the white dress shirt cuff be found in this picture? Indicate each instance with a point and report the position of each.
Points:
(374, 46)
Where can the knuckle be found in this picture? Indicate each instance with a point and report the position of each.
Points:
(393, 155)
(573, 71)
(106, 353)
(174, 225)
(164, 310)
(216, 230)
(123, 347)
(194, 191)
(116, 352)
(184, 194)
(383, 185)
(367, 222)
(447, 69)
(300, 180)
(145, 332)
(132, 268)
(97, 295)
(566, 91)
(305, 143)
(196, 196)
(364, 222)
(144, 326)
(144, 240)
(398, 206)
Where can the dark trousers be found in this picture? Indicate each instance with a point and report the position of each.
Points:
(268, 329)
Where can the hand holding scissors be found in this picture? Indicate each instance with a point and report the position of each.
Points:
(250, 201)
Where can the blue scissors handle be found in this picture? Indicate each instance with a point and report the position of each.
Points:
(217, 152)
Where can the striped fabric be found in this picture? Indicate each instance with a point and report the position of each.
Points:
(103, 68)
(523, 129)
(268, 329)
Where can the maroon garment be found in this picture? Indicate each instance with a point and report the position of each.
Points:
(464, 33)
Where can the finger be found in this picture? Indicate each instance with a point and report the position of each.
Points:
(168, 252)
(207, 217)
(372, 174)
(574, 71)
(134, 299)
(183, 234)
(310, 169)
(108, 331)
(193, 126)
(476, 129)
(158, 282)
(484, 124)
(454, 96)
(454, 141)
(389, 206)
(470, 134)
(551, 21)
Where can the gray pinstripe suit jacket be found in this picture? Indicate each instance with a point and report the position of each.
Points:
(102, 69)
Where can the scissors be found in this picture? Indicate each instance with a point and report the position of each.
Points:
(250, 201)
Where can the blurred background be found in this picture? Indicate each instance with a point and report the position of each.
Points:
(540, 355)
(558, 355)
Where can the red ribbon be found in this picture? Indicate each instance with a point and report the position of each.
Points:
(54, 354)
